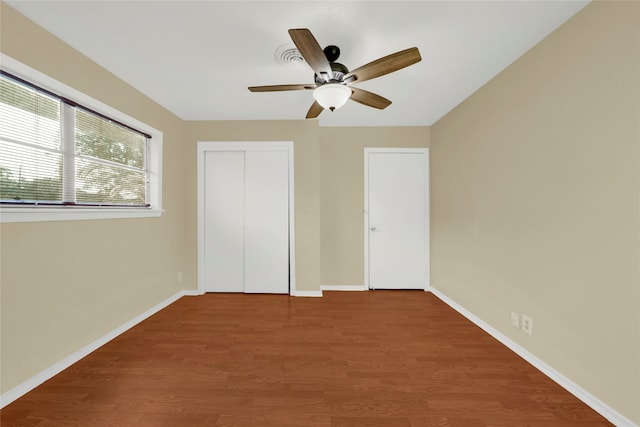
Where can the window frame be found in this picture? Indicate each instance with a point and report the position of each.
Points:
(35, 213)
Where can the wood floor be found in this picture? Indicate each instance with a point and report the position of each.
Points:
(350, 359)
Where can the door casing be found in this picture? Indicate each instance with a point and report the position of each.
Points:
(202, 148)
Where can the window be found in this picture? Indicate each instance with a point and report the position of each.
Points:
(58, 155)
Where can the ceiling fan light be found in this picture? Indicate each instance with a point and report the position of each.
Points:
(332, 95)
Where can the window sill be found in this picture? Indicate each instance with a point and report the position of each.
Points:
(39, 214)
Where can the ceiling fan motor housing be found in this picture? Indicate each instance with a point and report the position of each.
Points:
(338, 73)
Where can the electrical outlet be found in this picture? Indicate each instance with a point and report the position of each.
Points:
(179, 276)
(527, 324)
(515, 320)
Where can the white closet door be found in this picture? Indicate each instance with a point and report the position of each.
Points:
(266, 254)
(224, 221)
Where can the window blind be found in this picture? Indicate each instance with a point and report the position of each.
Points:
(54, 151)
(30, 145)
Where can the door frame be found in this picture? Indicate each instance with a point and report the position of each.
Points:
(202, 148)
(391, 150)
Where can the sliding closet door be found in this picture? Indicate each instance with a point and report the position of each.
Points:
(266, 255)
(246, 221)
(224, 221)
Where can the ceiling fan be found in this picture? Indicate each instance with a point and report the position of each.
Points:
(333, 81)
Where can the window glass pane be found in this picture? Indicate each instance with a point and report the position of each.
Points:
(105, 140)
(28, 116)
(98, 182)
(28, 174)
(30, 141)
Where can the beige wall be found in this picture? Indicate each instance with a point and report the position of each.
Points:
(342, 195)
(535, 186)
(65, 284)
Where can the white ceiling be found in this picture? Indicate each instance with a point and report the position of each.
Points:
(197, 58)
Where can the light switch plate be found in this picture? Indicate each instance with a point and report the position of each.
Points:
(515, 320)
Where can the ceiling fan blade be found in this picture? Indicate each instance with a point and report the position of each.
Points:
(278, 88)
(311, 52)
(314, 111)
(385, 65)
(369, 99)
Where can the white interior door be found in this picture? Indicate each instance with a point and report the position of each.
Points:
(246, 221)
(266, 222)
(397, 222)
(224, 221)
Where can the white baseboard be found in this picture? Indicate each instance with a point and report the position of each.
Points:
(33, 382)
(343, 288)
(308, 294)
(596, 404)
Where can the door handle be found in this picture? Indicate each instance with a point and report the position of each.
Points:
(373, 229)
